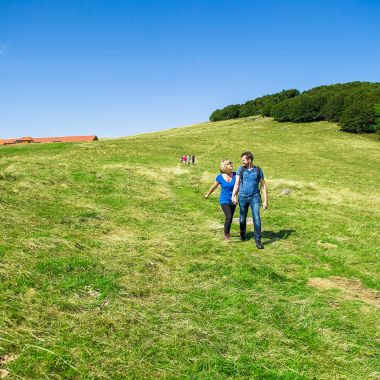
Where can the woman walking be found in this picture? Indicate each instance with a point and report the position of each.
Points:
(226, 179)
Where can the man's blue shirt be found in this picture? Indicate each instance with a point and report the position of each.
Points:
(250, 185)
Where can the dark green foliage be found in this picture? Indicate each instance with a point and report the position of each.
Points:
(264, 105)
(259, 106)
(283, 111)
(300, 109)
(355, 105)
(358, 117)
(229, 112)
(377, 118)
(333, 107)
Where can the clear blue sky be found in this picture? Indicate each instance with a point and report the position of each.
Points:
(116, 68)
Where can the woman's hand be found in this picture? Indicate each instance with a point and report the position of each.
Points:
(206, 196)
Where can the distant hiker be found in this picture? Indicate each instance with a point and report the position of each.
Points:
(188, 159)
(226, 180)
(193, 159)
(184, 159)
(249, 178)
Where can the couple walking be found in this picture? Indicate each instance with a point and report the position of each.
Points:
(246, 183)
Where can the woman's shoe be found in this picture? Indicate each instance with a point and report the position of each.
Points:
(227, 237)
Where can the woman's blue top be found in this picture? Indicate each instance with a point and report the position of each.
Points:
(226, 188)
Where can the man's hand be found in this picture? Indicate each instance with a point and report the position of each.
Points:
(265, 205)
(234, 199)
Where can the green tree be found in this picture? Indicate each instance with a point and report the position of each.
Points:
(333, 107)
(229, 112)
(358, 117)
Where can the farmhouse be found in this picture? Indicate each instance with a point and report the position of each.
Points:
(29, 140)
(7, 141)
(24, 140)
(65, 139)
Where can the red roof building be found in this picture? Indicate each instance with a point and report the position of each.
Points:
(24, 140)
(28, 139)
(7, 141)
(65, 139)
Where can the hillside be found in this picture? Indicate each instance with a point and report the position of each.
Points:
(113, 264)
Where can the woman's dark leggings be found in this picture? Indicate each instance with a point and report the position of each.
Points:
(229, 213)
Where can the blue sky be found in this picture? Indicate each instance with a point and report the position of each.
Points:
(117, 68)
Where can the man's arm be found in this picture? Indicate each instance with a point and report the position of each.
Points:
(265, 194)
(235, 191)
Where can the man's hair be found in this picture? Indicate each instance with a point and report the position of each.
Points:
(223, 166)
(248, 155)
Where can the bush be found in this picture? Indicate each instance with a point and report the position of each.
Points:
(229, 112)
(281, 111)
(333, 108)
(306, 108)
(258, 106)
(358, 117)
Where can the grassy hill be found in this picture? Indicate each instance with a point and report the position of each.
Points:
(113, 264)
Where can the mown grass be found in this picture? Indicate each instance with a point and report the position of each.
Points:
(113, 264)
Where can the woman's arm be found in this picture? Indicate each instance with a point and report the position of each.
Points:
(235, 191)
(212, 188)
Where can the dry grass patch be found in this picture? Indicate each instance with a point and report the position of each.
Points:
(280, 183)
(353, 288)
(119, 235)
(347, 196)
(215, 225)
(174, 170)
(207, 178)
(312, 191)
(46, 243)
(326, 245)
(5, 359)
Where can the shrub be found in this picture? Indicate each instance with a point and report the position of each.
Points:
(333, 108)
(258, 106)
(358, 117)
(229, 112)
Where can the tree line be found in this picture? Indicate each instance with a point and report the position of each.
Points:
(355, 106)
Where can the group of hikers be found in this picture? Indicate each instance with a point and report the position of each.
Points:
(241, 187)
(188, 159)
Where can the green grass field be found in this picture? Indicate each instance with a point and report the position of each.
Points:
(113, 265)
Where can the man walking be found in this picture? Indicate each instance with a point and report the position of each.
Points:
(248, 179)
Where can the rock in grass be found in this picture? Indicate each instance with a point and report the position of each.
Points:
(286, 192)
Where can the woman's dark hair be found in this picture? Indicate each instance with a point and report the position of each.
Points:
(248, 155)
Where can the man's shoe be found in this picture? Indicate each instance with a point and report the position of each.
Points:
(259, 244)
(242, 235)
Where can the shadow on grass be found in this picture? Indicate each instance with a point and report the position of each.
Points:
(272, 236)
